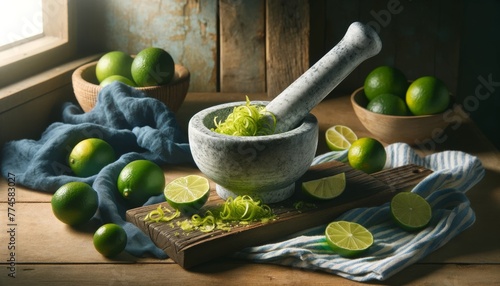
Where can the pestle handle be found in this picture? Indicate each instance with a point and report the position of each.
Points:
(292, 105)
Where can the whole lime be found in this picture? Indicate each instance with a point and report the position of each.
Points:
(152, 66)
(427, 95)
(388, 104)
(139, 180)
(367, 154)
(385, 79)
(89, 156)
(119, 78)
(113, 63)
(74, 203)
(110, 239)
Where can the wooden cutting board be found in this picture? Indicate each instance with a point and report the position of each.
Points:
(362, 190)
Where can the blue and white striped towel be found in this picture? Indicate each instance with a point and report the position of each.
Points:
(454, 173)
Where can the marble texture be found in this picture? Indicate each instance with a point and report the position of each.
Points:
(264, 167)
(358, 44)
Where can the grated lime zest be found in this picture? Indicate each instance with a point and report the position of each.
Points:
(247, 120)
(240, 210)
(159, 214)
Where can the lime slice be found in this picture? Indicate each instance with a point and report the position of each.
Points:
(339, 137)
(410, 211)
(187, 194)
(348, 239)
(325, 188)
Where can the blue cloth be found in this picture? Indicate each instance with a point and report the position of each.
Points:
(136, 126)
(394, 249)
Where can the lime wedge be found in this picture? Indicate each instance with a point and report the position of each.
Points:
(325, 188)
(348, 239)
(410, 211)
(187, 194)
(339, 137)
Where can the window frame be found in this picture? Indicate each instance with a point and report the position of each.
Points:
(56, 46)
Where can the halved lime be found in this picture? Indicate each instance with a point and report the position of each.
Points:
(410, 211)
(325, 188)
(348, 239)
(339, 137)
(187, 194)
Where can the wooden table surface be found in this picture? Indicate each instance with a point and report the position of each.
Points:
(50, 253)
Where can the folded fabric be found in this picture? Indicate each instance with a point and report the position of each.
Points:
(136, 126)
(393, 249)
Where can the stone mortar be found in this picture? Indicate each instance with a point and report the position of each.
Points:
(266, 167)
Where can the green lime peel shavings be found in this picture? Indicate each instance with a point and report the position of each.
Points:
(247, 120)
(241, 210)
(161, 214)
(238, 211)
(301, 205)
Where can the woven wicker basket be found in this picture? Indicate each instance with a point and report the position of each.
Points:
(86, 87)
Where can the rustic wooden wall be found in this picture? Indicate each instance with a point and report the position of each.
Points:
(242, 46)
(228, 45)
(263, 45)
(479, 80)
(419, 37)
(288, 29)
(187, 29)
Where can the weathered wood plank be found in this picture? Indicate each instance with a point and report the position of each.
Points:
(41, 96)
(192, 248)
(235, 56)
(381, 16)
(226, 271)
(287, 42)
(318, 12)
(416, 43)
(418, 38)
(41, 238)
(242, 46)
(186, 29)
(339, 15)
(448, 39)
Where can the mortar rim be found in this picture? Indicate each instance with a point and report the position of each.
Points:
(308, 123)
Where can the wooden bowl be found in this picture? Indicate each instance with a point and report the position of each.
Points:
(86, 87)
(413, 130)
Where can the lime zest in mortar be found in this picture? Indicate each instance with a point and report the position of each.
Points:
(247, 120)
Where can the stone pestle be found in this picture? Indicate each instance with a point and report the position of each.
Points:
(293, 104)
